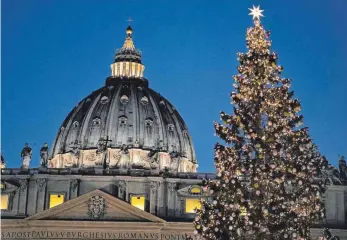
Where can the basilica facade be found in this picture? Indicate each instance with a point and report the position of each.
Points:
(122, 166)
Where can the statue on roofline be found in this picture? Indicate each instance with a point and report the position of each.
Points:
(26, 156)
(343, 168)
(44, 155)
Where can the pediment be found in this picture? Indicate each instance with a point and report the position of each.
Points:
(8, 186)
(96, 206)
(192, 190)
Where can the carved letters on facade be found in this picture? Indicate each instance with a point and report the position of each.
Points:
(96, 207)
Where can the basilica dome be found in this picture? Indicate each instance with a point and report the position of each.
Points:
(124, 124)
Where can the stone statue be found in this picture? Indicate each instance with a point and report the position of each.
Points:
(44, 155)
(343, 168)
(26, 156)
(76, 146)
(331, 175)
(153, 158)
(101, 146)
(124, 159)
(3, 164)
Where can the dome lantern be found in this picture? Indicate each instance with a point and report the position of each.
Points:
(127, 62)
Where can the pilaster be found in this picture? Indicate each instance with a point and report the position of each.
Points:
(154, 197)
(41, 185)
(74, 188)
(23, 192)
(122, 190)
(171, 198)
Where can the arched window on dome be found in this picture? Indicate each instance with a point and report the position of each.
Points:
(104, 100)
(72, 134)
(124, 99)
(144, 101)
(95, 132)
(149, 138)
(122, 130)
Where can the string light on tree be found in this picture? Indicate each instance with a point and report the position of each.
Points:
(268, 169)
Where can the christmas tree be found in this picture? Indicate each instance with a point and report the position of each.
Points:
(267, 186)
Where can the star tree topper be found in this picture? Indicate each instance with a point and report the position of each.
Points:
(256, 12)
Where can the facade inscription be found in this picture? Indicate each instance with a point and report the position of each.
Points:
(91, 235)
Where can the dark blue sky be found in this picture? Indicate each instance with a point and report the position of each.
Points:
(54, 53)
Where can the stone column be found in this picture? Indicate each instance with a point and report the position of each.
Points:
(41, 185)
(171, 199)
(154, 198)
(23, 192)
(74, 188)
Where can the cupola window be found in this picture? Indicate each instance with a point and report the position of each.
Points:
(170, 127)
(75, 124)
(148, 122)
(124, 99)
(96, 122)
(162, 103)
(123, 120)
(144, 101)
(104, 100)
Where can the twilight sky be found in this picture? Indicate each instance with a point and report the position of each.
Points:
(56, 52)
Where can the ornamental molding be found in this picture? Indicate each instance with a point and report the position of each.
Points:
(96, 207)
(41, 183)
(23, 184)
(154, 187)
(172, 186)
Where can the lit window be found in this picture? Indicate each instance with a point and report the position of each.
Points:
(195, 190)
(55, 199)
(138, 201)
(3, 186)
(4, 201)
(192, 204)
